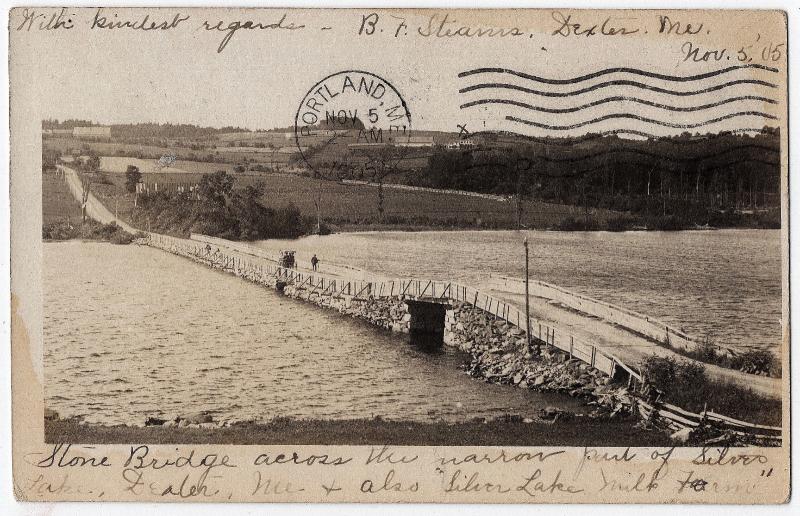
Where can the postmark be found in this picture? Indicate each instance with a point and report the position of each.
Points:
(350, 124)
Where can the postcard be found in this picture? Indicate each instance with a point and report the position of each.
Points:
(399, 255)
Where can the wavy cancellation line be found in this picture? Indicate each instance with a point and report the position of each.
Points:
(632, 116)
(607, 71)
(656, 155)
(606, 100)
(572, 140)
(620, 82)
(657, 165)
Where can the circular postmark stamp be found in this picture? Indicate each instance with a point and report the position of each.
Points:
(352, 125)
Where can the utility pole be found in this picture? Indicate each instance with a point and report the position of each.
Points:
(317, 203)
(527, 298)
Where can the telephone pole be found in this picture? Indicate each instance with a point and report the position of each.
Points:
(527, 298)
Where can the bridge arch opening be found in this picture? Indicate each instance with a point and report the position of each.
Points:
(426, 326)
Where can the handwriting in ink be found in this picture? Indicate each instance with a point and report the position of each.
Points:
(534, 485)
(593, 455)
(502, 456)
(295, 458)
(143, 24)
(389, 484)
(567, 27)
(61, 457)
(139, 458)
(56, 20)
(231, 28)
(445, 27)
(383, 455)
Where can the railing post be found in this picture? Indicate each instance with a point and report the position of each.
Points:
(571, 345)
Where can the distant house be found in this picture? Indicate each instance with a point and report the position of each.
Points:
(58, 132)
(399, 141)
(94, 132)
(466, 143)
(417, 141)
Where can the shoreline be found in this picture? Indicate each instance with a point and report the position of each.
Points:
(569, 430)
(371, 229)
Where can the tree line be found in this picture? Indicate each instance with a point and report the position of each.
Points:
(146, 130)
(710, 179)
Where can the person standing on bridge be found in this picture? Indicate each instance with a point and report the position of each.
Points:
(314, 262)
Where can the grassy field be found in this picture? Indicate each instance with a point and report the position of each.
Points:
(119, 165)
(208, 154)
(58, 203)
(355, 207)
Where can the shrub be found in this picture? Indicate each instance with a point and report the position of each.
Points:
(581, 224)
(620, 223)
(132, 178)
(756, 361)
(707, 351)
(58, 231)
(660, 372)
(685, 383)
(121, 238)
(690, 376)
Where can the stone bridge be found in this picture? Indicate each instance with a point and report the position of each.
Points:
(431, 312)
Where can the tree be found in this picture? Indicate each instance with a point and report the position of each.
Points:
(216, 188)
(86, 187)
(132, 178)
(93, 164)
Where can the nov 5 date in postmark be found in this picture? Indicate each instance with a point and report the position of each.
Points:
(352, 124)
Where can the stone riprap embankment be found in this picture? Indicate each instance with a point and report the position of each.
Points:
(500, 354)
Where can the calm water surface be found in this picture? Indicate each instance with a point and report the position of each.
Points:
(132, 331)
(724, 284)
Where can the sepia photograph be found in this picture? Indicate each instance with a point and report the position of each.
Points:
(557, 240)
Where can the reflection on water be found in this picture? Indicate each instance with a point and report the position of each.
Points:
(724, 284)
(132, 331)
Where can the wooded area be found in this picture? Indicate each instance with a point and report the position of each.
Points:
(711, 179)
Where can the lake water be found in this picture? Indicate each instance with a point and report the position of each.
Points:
(132, 331)
(723, 284)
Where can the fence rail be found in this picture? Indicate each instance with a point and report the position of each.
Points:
(677, 418)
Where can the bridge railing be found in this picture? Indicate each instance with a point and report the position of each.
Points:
(251, 265)
(640, 323)
(256, 269)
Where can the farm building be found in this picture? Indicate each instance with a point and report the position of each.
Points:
(99, 132)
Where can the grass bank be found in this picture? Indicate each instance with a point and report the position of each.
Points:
(62, 218)
(576, 431)
(89, 230)
(685, 383)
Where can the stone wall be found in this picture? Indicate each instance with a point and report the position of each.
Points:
(387, 313)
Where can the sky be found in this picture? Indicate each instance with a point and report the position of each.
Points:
(260, 77)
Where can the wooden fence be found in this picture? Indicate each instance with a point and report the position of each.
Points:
(676, 418)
